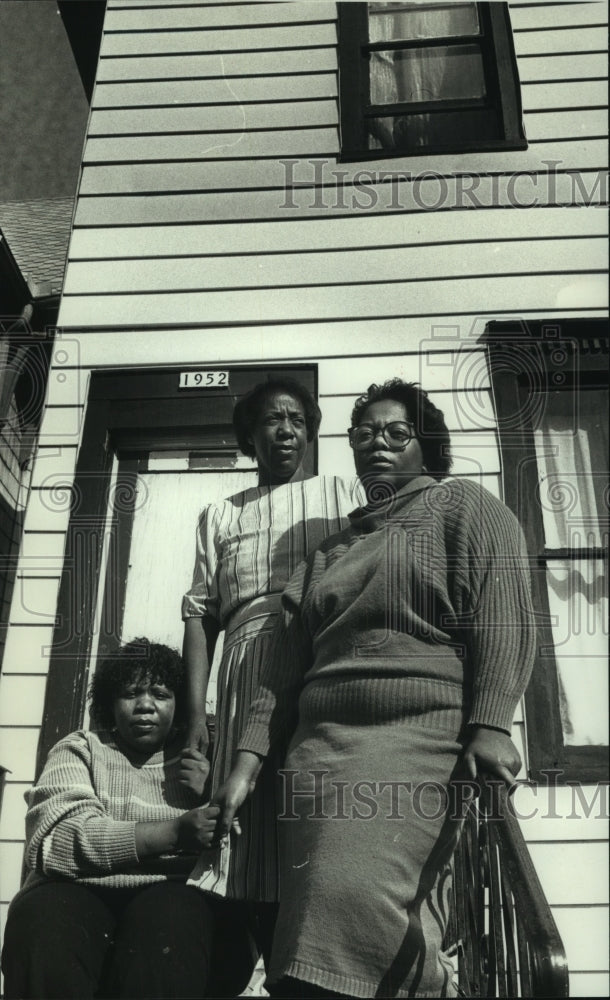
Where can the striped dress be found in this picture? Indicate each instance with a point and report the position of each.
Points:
(248, 546)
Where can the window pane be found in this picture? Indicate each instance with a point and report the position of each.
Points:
(578, 602)
(409, 21)
(428, 74)
(445, 130)
(572, 454)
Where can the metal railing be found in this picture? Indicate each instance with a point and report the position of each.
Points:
(501, 930)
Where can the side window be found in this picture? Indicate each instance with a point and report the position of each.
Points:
(426, 77)
(551, 392)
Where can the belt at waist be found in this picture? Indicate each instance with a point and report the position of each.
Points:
(254, 612)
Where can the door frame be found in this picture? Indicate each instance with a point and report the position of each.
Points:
(128, 413)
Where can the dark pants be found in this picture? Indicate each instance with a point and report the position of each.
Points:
(68, 940)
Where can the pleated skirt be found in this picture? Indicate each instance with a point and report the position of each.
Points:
(252, 868)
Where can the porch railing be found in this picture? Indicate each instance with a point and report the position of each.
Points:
(501, 930)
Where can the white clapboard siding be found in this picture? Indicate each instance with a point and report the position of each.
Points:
(577, 66)
(224, 90)
(229, 64)
(562, 40)
(222, 16)
(533, 16)
(365, 266)
(405, 197)
(336, 301)
(304, 139)
(214, 118)
(358, 231)
(201, 41)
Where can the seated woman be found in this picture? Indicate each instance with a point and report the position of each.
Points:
(405, 643)
(111, 837)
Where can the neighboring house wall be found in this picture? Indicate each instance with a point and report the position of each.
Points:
(188, 250)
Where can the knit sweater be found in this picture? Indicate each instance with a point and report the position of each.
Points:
(429, 592)
(83, 811)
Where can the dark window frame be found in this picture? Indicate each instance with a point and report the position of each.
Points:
(501, 76)
(525, 359)
(128, 414)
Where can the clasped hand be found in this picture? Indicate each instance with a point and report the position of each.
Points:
(490, 752)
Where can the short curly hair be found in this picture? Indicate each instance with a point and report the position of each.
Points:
(248, 409)
(132, 662)
(430, 427)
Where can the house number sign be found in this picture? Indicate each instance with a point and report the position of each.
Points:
(204, 380)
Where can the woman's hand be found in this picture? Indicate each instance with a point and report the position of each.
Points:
(196, 829)
(235, 791)
(491, 752)
(194, 769)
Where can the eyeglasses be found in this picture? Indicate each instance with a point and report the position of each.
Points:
(396, 435)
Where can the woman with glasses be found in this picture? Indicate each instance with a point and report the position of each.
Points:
(405, 643)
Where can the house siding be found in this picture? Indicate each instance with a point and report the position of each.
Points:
(188, 247)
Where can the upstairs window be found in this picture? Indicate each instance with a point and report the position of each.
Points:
(427, 77)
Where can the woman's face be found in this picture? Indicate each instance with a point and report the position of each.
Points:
(144, 714)
(280, 439)
(377, 462)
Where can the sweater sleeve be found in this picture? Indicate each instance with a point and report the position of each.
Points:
(500, 621)
(273, 712)
(68, 831)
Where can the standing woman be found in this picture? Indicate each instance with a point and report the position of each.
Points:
(404, 645)
(248, 546)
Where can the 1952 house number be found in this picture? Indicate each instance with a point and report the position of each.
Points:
(204, 380)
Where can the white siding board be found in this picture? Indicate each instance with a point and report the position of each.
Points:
(57, 460)
(185, 66)
(282, 142)
(18, 753)
(587, 93)
(589, 984)
(62, 425)
(223, 16)
(357, 231)
(565, 124)
(248, 39)
(459, 193)
(214, 118)
(557, 814)
(565, 15)
(504, 294)
(21, 702)
(28, 649)
(463, 411)
(584, 931)
(224, 90)
(589, 860)
(278, 270)
(34, 600)
(44, 513)
(10, 870)
(316, 141)
(461, 370)
(12, 820)
(580, 66)
(225, 175)
(530, 43)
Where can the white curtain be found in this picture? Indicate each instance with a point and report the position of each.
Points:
(569, 467)
(422, 74)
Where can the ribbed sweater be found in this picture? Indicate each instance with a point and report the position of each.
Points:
(429, 593)
(83, 811)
